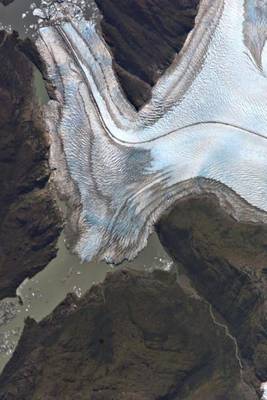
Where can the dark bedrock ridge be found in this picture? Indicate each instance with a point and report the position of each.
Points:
(29, 224)
(136, 336)
(144, 36)
(226, 263)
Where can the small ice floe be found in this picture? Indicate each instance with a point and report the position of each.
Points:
(8, 310)
(163, 263)
(8, 341)
(77, 290)
(264, 390)
(7, 28)
(37, 12)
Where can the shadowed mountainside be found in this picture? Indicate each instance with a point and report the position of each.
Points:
(226, 263)
(137, 336)
(29, 225)
(144, 36)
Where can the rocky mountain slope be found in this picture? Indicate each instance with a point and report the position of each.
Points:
(29, 222)
(144, 36)
(137, 336)
(226, 263)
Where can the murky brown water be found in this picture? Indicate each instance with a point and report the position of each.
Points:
(65, 273)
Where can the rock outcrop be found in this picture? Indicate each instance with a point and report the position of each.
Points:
(137, 336)
(144, 36)
(226, 263)
(29, 219)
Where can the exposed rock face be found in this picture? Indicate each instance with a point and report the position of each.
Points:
(29, 220)
(226, 262)
(144, 36)
(135, 337)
